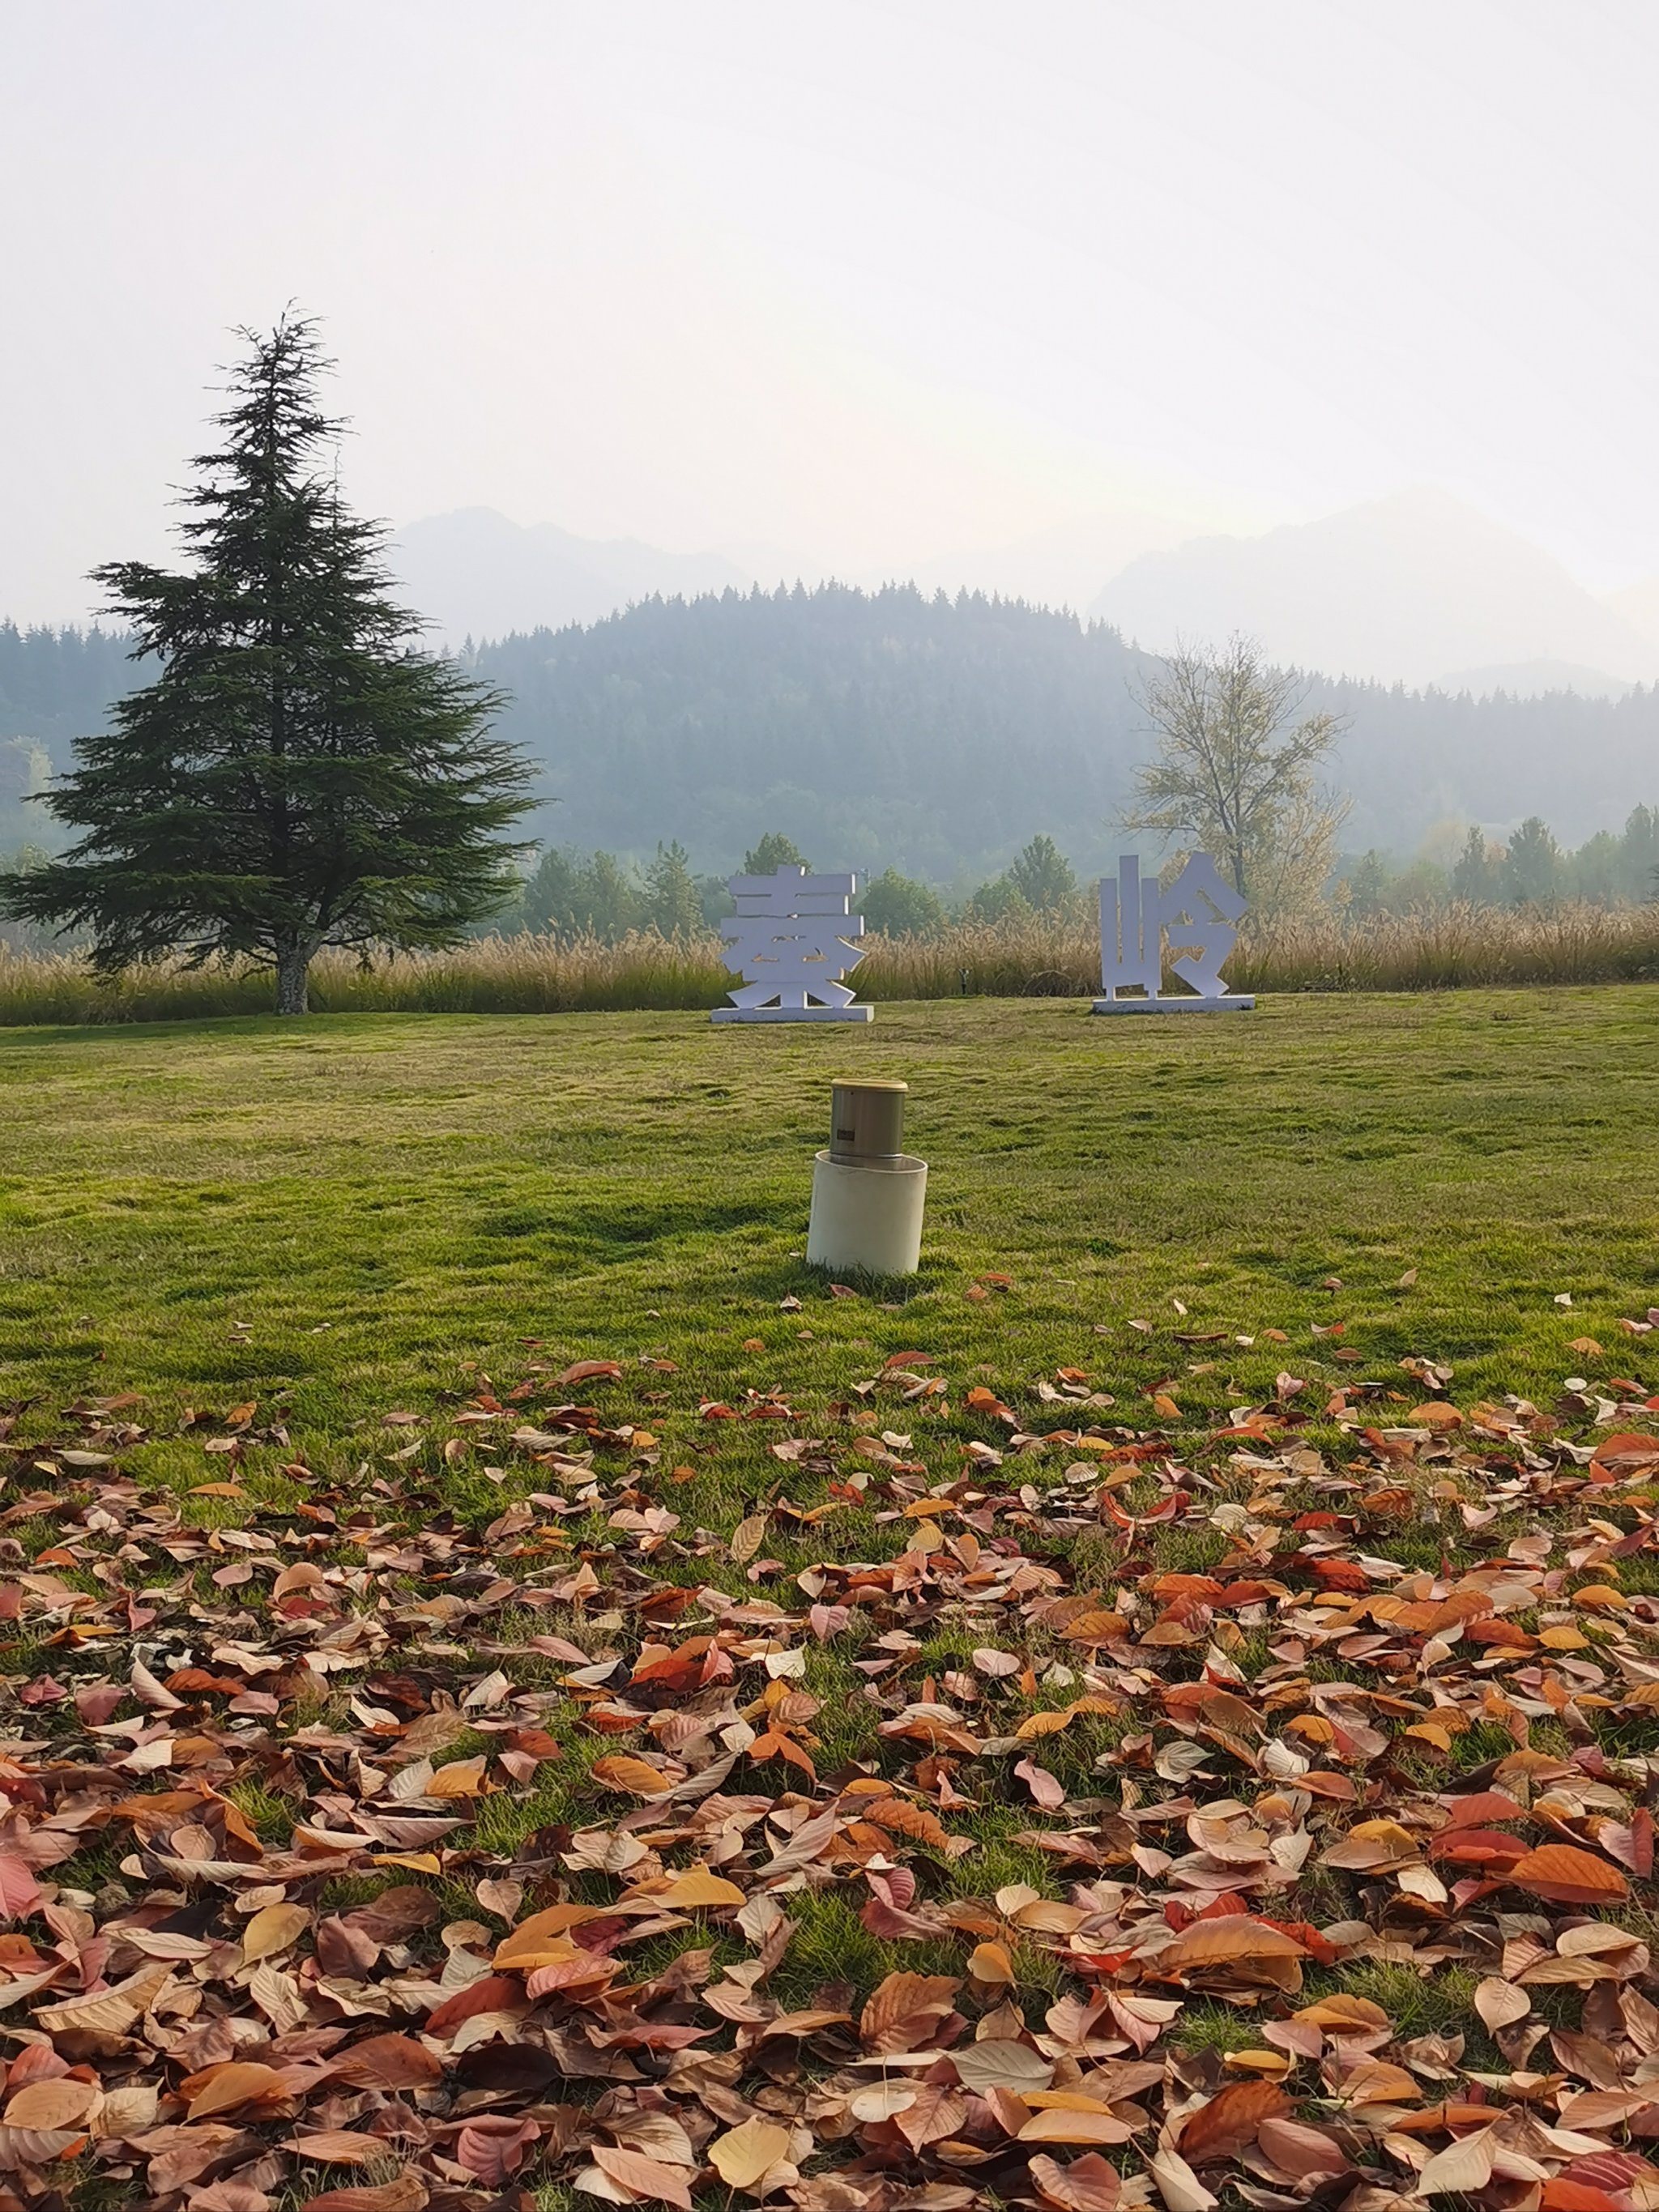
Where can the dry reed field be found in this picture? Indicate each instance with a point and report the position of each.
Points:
(1445, 948)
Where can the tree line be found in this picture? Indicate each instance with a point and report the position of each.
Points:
(301, 773)
(1530, 867)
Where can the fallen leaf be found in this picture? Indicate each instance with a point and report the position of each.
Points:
(748, 2153)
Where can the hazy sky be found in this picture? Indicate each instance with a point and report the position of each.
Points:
(868, 283)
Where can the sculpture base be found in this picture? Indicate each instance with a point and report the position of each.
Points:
(794, 1014)
(1234, 1002)
(867, 1217)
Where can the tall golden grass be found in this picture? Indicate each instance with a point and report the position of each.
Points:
(1439, 949)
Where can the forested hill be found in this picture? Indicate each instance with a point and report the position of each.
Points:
(880, 729)
(934, 735)
(56, 682)
(53, 684)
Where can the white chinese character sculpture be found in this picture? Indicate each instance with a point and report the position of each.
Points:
(790, 941)
(1197, 912)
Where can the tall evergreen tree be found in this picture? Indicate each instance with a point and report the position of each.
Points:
(1474, 874)
(1043, 875)
(1640, 854)
(775, 851)
(299, 775)
(672, 901)
(1531, 874)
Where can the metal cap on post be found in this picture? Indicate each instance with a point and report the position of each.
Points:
(867, 1120)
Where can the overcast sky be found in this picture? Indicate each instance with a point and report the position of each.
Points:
(865, 282)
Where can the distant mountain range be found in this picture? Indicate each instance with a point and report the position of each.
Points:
(476, 575)
(1417, 589)
(1408, 589)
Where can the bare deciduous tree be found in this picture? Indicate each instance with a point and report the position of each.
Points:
(1234, 773)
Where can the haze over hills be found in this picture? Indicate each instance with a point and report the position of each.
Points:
(475, 574)
(1534, 679)
(1418, 588)
(900, 728)
(1638, 604)
(1402, 590)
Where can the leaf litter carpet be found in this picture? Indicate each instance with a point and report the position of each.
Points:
(365, 1853)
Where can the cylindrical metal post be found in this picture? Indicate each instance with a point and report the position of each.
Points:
(868, 1197)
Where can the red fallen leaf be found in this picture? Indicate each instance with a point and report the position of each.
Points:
(910, 1360)
(1321, 1783)
(1620, 1456)
(20, 1894)
(1568, 1876)
(1477, 1810)
(591, 1371)
(495, 2147)
(386, 2062)
(490, 1993)
(1089, 2183)
(1478, 1847)
(408, 2193)
(1341, 1574)
(1229, 2121)
(1615, 2171)
(1562, 2194)
(1632, 1846)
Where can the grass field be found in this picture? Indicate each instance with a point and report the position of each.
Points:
(275, 1297)
(341, 1213)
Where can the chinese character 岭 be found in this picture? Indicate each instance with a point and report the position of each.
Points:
(1196, 912)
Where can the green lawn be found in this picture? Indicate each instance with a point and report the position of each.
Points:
(336, 1214)
(428, 1217)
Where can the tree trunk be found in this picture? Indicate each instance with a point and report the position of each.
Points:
(293, 969)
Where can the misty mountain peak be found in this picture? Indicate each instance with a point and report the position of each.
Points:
(1401, 588)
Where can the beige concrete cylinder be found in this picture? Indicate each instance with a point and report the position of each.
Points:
(867, 1215)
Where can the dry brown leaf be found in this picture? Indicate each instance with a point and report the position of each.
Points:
(1462, 2168)
(273, 1928)
(462, 1777)
(1299, 2150)
(698, 1890)
(1064, 2125)
(1177, 2185)
(408, 2193)
(636, 1776)
(1568, 1876)
(224, 2088)
(52, 2105)
(747, 1538)
(904, 2011)
(748, 2153)
(1500, 2003)
(644, 2177)
(337, 2147)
